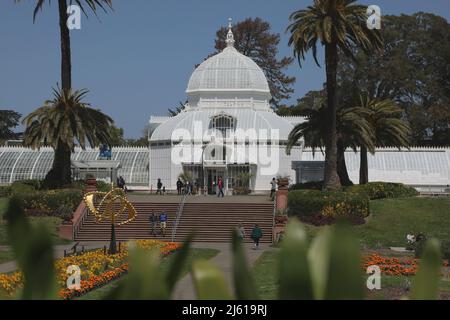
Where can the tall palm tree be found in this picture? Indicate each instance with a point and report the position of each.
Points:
(389, 129)
(337, 25)
(62, 123)
(352, 129)
(66, 64)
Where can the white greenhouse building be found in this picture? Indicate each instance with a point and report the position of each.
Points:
(228, 130)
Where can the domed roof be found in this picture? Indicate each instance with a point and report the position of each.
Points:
(228, 71)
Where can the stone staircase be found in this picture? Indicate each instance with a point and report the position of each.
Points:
(212, 222)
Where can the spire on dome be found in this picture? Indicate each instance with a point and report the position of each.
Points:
(230, 37)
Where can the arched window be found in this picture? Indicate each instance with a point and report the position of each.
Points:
(223, 123)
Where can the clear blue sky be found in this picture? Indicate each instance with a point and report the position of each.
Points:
(136, 61)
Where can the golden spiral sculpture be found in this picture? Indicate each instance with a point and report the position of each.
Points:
(110, 205)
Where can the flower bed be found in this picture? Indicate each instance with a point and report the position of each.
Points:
(97, 268)
(394, 266)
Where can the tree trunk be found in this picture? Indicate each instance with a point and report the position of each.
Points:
(66, 65)
(331, 178)
(60, 174)
(363, 167)
(341, 165)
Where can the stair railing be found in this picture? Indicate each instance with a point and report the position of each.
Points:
(177, 219)
(79, 223)
(273, 215)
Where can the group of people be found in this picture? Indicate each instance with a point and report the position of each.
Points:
(256, 234)
(187, 188)
(162, 219)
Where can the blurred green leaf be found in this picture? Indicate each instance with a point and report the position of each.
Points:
(335, 265)
(295, 277)
(145, 280)
(178, 263)
(33, 249)
(209, 282)
(426, 281)
(244, 285)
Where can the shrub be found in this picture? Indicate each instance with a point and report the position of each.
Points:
(103, 186)
(81, 185)
(34, 183)
(50, 202)
(20, 188)
(381, 190)
(5, 191)
(312, 185)
(318, 207)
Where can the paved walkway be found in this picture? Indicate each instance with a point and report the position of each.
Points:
(185, 290)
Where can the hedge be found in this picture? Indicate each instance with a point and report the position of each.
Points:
(381, 190)
(312, 185)
(61, 203)
(314, 204)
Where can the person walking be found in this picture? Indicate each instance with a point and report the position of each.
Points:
(153, 220)
(123, 184)
(220, 186)
(240, 232)
(163, 222)
(179, 186)
(273, 189)
(256, 236)
(159, 186)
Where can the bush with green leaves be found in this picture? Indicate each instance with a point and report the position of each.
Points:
(382, 190)
(311, 185)
(5, 191)
(327, 268)
(101, 185)
(333, 205)
(49, 202)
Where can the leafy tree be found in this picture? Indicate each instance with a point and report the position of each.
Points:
(66, 64)
(8, 119)
(336, 25)
(255, 40)
(62, 123)
(412, 70)
(116, 135)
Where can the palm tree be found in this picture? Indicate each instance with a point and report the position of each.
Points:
(352, 130)
(62, 123)
(337, 25)
(66, 64)
(389, 129)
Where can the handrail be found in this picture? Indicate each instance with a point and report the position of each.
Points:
(177, 219)
(274, 214)
(78, 219)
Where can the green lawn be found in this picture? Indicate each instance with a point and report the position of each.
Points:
(266, 279)
(195, 254)
(51, 223)
(392, 219)
(265, 275)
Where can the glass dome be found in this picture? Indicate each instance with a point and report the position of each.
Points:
(228, 75)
